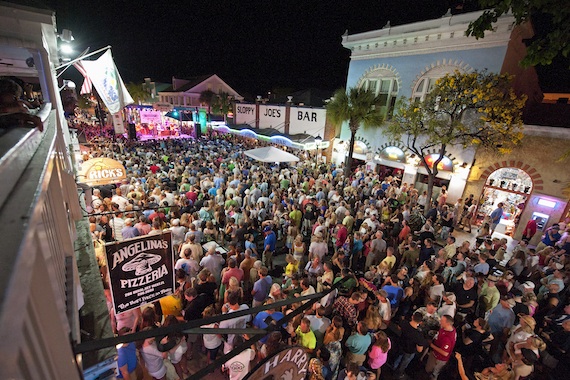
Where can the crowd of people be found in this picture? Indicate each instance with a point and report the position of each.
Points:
(413, 299)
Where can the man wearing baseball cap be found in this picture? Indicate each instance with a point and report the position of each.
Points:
(489, 296)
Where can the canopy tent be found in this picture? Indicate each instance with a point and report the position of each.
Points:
(270, 154)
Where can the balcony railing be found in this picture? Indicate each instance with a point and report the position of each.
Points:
(38, 298)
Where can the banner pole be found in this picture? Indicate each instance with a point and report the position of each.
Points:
(67, 64)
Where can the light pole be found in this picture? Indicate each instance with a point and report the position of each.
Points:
(318, 141)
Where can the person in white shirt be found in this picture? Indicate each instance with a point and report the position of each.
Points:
(449, 306)
(239, 365)
(119, 199)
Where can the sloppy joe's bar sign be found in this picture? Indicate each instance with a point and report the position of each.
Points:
(102, 171)
(141, 270)
(289, 364)
(245, 114)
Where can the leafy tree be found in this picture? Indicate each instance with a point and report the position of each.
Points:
(207, 97)
(222, 104)
(137, 92)
(84, 102)
(546, 45)
(359, 107)
(475, 109)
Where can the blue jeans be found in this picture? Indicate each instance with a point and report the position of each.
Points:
(402, 362)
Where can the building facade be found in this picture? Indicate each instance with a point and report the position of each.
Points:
(405, 61)
(186, 92)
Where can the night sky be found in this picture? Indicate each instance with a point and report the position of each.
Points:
(255, 46)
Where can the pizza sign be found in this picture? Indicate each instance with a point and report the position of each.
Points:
(141, 270)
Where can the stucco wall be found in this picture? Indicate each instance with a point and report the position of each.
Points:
(538, 156)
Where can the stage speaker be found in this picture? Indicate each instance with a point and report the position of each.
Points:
(132, 132)
(198, 131)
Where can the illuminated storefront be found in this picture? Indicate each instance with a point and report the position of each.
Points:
(510, 186)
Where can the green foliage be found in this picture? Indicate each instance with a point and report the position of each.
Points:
(83, 102)
(137, 92)
(463, 109)
(475, 109)
(222, 103)
(207, 97)
(359, 107)
(544, 48)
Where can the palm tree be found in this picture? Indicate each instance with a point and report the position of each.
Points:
(222, 104)
(207, 97)
(137, 92)
(358, 107)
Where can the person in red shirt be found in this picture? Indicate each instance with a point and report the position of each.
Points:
(441, 347)
(154, 168)
(530, 229)
(192, 195)
(341, 235)
(232, 271)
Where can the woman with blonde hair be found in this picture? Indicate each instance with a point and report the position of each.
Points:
(373, 320)
(520, 333)
(210, 232)
(530, 300)
(299, 249)
(316, 370)
(233, 286)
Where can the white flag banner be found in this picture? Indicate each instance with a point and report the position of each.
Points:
(106, 79)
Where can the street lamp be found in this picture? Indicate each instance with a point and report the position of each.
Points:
(318, 141)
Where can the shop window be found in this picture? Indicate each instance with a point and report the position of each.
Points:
(383, 83)
(510, 186)
(512, 179)
(427, 81)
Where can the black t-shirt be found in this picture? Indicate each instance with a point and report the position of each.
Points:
(520, 308)
(464, 296)
(474, 347)
(411, 338)
(195, 308)
(240, 235)
(208, 289)
(425, 254)
(492, 263)
(108, 236)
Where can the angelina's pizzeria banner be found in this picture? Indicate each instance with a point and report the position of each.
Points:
(141, 270)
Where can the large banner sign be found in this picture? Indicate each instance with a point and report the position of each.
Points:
(272, 117)
(101, 171)
(150, 116)
(107, 80)
(141, 270)
(291, 363)
(307, 120)
(245, 114)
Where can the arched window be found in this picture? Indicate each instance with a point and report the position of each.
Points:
(426, 82)
(383, 83)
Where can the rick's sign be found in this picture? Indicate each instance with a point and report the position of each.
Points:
(102, 171)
